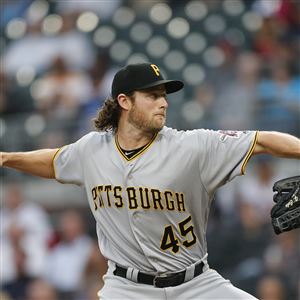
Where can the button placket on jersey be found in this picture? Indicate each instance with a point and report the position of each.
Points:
(128, 173)
(136, 223)
(134, 215)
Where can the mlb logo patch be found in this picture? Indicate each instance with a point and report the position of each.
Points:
(224, 134)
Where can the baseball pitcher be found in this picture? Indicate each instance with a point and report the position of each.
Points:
(150, 187)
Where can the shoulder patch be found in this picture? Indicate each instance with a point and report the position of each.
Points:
(224, 134)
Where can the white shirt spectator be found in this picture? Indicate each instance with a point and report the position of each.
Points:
(33, 50)
(32, 220)
(67, 263)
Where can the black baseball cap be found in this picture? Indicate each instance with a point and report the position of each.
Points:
(141, 76)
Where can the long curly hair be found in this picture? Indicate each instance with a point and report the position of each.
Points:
(109, 114)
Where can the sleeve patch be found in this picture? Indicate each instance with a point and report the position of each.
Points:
(224, 134)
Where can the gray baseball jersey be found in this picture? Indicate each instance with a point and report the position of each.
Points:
(152, 210)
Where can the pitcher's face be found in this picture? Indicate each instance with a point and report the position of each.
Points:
(149, 109)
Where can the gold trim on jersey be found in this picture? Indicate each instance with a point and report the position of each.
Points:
(249, 153)
(138, 153)
(53, 159)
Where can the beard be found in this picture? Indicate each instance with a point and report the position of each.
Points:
(139, 119)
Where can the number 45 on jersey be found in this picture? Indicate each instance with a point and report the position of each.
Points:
(186, 230)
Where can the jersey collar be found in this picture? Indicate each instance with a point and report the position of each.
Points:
(144, 149)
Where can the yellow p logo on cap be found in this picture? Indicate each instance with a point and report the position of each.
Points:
(155, 69)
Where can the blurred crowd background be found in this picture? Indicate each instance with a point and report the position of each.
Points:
(239, 60)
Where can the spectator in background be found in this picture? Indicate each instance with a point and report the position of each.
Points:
(94, 272)
(101, 75)
(257, 189)
(249, 249)
(247, 238)
(284, 12)
(41, 290)
(222, 76)
(68, 260)
(266, 40)
(270, 287)
(281, 258)
(61, 92)
(34, 50)
(279, 100)
(14, 98)
(197, 113)
(74, 46)
(37, 50)
(234, 106)
(26, 225)
(279, 29)
(16, 288)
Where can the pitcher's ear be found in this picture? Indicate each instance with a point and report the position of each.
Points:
(124, 101)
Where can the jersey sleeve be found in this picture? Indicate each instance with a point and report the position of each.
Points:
(224, 155)
(67, 164)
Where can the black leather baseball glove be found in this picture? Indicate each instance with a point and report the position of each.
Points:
(285, 213)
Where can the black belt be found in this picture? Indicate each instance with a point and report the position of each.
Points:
(160, 281)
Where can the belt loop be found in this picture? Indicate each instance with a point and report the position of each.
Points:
(132, 274)
(189, 273)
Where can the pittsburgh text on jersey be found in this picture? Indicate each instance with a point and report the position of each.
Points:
(137, 198)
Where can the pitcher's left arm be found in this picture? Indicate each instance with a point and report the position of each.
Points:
(277, 144)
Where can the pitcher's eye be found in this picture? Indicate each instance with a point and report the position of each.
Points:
(153, 95)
